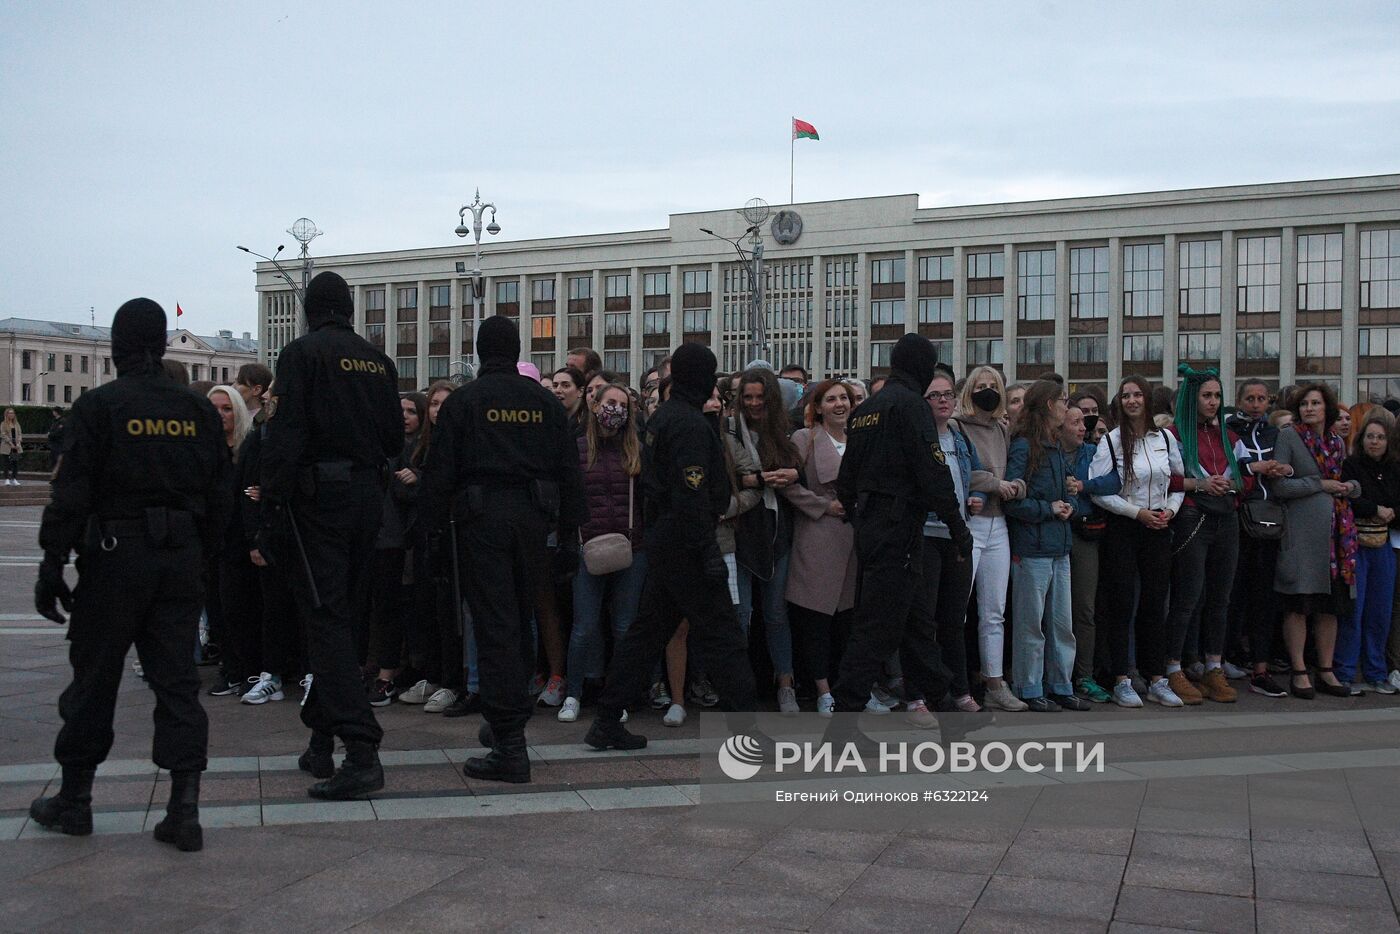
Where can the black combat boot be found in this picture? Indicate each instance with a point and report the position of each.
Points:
(357, 776)
(486, 736)
(317, 758)
(69, 811)
(843, 730)
(181, 823)
(611, 734)
(507, 761)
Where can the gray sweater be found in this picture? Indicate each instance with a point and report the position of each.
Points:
(1303, 555)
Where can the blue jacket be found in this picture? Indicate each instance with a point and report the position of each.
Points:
(967, 462)
(1035, 531)
(1106, 485)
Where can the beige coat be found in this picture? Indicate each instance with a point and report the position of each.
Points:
(992, 441)
(740, 502)
(822, 573)
(11, 439)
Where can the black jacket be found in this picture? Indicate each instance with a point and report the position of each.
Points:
(1259, 439)
(1380, 486)
(685, 481)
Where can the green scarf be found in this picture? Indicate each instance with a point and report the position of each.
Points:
(1187, 421)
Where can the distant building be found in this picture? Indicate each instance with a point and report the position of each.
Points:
(1287, 282)
(53, 362)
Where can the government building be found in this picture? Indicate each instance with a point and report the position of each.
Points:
(1287, 282)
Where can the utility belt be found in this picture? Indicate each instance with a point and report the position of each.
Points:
(541, 494)
(157, 527)
(333, 475)
(869, 501)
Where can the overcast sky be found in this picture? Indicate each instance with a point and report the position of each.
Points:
(142, 140)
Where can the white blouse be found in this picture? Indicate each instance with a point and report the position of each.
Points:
(1156, 458)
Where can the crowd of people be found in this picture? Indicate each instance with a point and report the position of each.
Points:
(1159, 545)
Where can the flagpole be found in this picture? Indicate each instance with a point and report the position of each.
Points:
(792, 148)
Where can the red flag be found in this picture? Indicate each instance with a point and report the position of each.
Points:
(178, 310)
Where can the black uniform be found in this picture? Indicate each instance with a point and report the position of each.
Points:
(324, 470)
(892, 475)
(685, 483)
(504, 465)
(141, 495)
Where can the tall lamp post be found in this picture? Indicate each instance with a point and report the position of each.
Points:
(304, 231)
(477, 208)
(755, 212)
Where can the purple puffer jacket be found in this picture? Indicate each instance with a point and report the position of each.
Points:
(605, 486)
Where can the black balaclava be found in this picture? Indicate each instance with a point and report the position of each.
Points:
(138, 337)
(914, 357)
(693, 373)
(328, 299)
(498, 343)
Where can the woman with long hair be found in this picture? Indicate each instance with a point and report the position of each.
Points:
(981, 416)
(234, 620)
(765, 549)
(1362, 635)
(1088, 524)
(1310, 579)
(1206, 533)
(1137, 541)
(610, 458)
(568, 389)
(11, 446)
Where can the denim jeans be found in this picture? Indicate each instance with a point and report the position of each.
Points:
(1042, 629)
(991, 569)
(771, 597)
(622, 590)
(1365, 631)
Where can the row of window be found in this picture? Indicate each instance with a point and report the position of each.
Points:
(26, 362)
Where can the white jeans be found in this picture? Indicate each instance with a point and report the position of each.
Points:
(991, 571)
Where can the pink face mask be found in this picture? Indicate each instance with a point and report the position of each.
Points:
(612, 415)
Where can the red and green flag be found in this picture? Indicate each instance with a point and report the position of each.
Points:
(801, 129)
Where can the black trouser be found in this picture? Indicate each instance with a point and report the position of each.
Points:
(146, 595)
(435, 641)
(283, 643)
(889, 546)
(389, 602)
(504, 559)
(943, 591)
(1254, 600)
(240, 607)
(1207, 547)
(1133, 552)
(812, 637)
(676, 588)
(11, 466)
(337, 528)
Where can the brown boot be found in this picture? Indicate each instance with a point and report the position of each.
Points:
(1216, 688)
(1183, 688)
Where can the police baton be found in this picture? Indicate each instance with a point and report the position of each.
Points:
(305, 564)
(456, 579)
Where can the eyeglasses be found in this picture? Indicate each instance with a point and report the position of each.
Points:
(946, 395)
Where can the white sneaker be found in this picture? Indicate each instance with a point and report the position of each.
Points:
(920, 716)
(1001, 698)
(442, 699)
(1234, 672)
(265, 687)
(826, 705)
(875, 707)
(1125, 696)
(1394, 679)
(883, 697)
(419, 693)
(305, 689)
(623, 718)
(787, 703)
(569, 712)
(553, 693)
(1160, 692)
(675, 716)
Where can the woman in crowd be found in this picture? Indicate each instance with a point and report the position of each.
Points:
(1015, 398)
(1365, 631)
(765, 548)
(858, 392)
(1137, 541)
(1206, 533)
(568, 389)
(821, 584)
(982, 418)
(1342, 426)
(1314, 580)
(1087, 525)
(11, 446)
(610, 457)
(1042, 629)
(233, 614)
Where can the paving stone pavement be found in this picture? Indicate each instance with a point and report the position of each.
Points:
(1266, 815)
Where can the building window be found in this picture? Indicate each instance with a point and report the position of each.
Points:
(437, 368)
(656, 322)
(106, 366)
(1257, 275)
(26, 359)
(48, 391)
(194, 372)
(880, 352)
(839, 275)
(935, 311)
(1198, 346)
(1380, 268)
(985, 352)
(374, 333)
(50, 365)
(225, 378)
(1036, 350)
(1088, 349)
(944, 350)
(696, 320)
(581, 326)
(986, 265)
(68, 363)
(1378, 388)
(439, 296)
(1035, 285)
(1321, 343)
(695, 281)
(1374, 342)
(1088, 282)
(25, 392)
(1142, 280)
(887, 312)
(887, 272)
(617, 323)
(1320, 272)
(408, 298)
(1142, 348)
(656, 283)
(619, 361)
(984, 307)
(67, 393)
(508, 292)
(619, 286)
(935, 268)
(542, 327)
(542, 290)
(407, 367)
(374, 299)
(580, 288)
(543, 361)
(1256, 345)
(83, 364)
(407, 334)
(1198, 274)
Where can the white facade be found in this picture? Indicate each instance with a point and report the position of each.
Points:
(1287, 281)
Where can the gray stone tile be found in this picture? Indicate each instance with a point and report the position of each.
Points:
(1051, 898)
(602, 799)
(1286, 885)
(1037, 862)
(760, 903)
(314, 811)
(1115, 841)
(1191, 875)
(664, 859)
(877, 883)
(1191, 847)
(214, 817)
(1192, 911)
(858, 847)
(856, 913)
(948, 855)
(1154, 819)
(38, 771)
(1351, 860)
(1290, 917)
(992, 921)
(11, 826)
(1124, 927)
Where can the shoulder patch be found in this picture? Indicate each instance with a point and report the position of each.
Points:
(937, 450)
(694, 477)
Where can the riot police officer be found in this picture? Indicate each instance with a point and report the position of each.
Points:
(892, 475)
(686, 486)
(504, 466)
(325, 460)
(141, 494)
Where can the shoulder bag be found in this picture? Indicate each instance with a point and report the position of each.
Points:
(612, 551)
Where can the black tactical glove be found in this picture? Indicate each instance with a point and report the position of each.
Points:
(51, 590)
(964, 547)
(566, 558)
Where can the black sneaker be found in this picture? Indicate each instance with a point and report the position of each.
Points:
(466, 704)
(609, 734)
(1069, 702)
(1041, 705)
(1266, 685)
(223, 688)
(383, 692)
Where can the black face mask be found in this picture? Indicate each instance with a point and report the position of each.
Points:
(1091, 422)
(986, 399)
